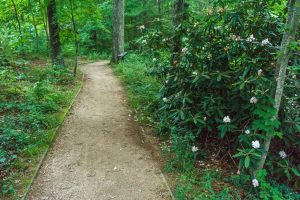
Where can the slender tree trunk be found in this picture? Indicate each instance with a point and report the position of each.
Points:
(178, 17)
(282, 63)
(35, 27)
(158, 6)
(118, 29)
(17, 17)
(75, 37)
(45, 23)
(55, 46)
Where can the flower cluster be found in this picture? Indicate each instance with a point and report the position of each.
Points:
(282, 154)
(194, 149)
(265, 42)
(142, 27)
(260, 72)
(251, 38)
(253, 100)
(226, 119)
(255, 144)
(184, 50)
(255, 182)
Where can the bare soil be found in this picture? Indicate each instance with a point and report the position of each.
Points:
(98, 154)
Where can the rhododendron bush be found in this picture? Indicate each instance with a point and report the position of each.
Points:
(219, 91)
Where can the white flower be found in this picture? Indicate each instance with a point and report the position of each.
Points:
(142, 27)
(154, 59)
(255, 182)
(247, 131)
(226, 119)
(260, 72)
(184, 50)
(282, 154)
(204, 118)
(209, 56)
(251, 38)
(195, 73)
(144, 42)
(255, 144)
(253, 100)
(165, 99)
(194, 149)
(265, 42)
(235, 38)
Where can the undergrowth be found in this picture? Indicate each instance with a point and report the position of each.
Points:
(33, 101)
(141, 88)
(196, 177)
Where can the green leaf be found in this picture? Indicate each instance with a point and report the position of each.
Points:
(2, 160)
(295, 171)
(247, 161)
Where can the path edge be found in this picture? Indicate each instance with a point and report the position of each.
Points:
(56, 130)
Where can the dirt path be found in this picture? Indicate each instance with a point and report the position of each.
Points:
(96, 155)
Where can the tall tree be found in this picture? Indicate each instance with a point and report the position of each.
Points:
(75, 35)
(178, 17)
(17, 16)
(118, 29)
(44, 17)
(55, 45)
(282, 63)
(34, 24)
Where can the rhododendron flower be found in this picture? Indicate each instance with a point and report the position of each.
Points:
(247, 131)
(265, 42)
(226, 119)
(253, 100)
(195, 73)
(255, 144)
(260, 72)
(282, 154)
(184, 50)
(142, 27)
(209, 56)
(251, 38)
(236, 38)
(154, 59)
(255, 182)
(204, 118)
(194, 149)
(165, 99)
(144, 42)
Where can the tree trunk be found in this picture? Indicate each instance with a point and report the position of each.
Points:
(75, 37)
(35, 27)
(282, 64)
(118, 29)
(44, 16)
(159, 6)
(178, 17)
(56, 56)
(17, 17)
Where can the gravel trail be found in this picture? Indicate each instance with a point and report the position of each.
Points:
(96, 155)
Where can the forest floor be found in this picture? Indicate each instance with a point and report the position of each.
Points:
(99, 152)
